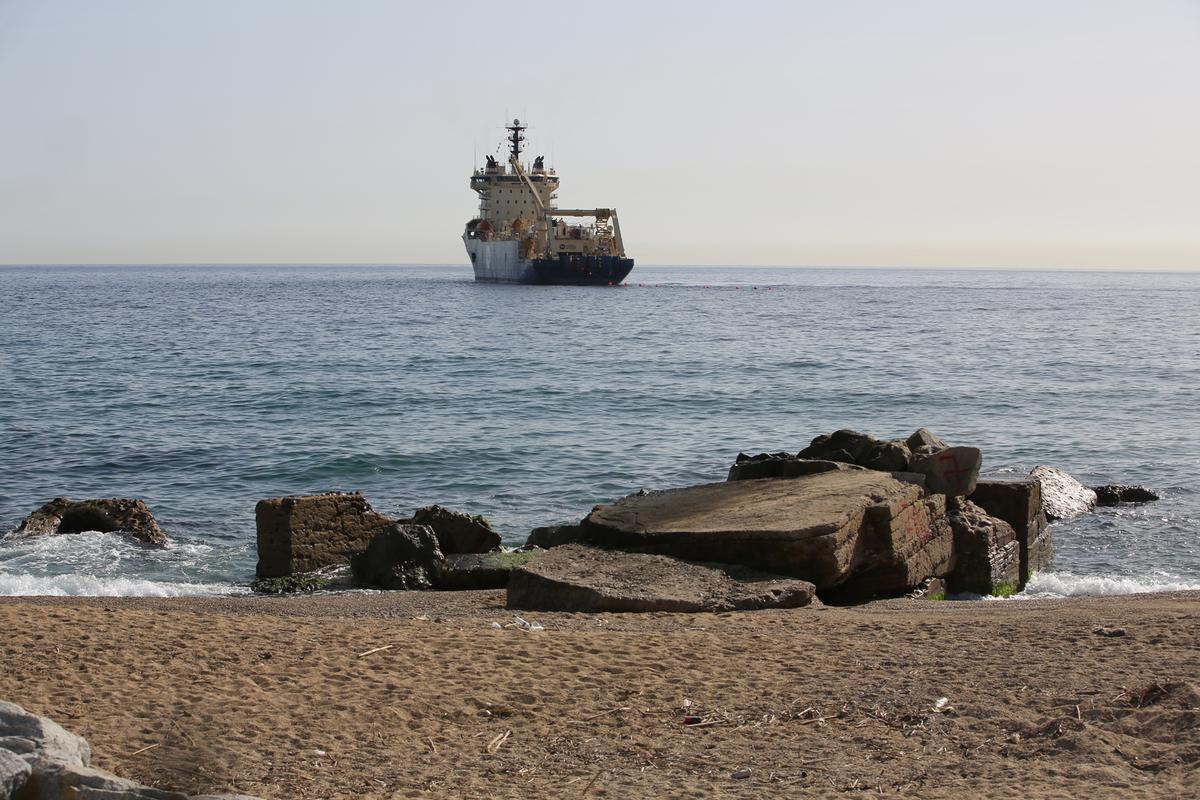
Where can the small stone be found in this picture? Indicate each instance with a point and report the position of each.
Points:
(741, 774)
(1100, 630)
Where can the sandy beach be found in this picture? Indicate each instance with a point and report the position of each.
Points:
(281, 697)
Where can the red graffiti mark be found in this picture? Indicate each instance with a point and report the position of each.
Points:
(958, 476)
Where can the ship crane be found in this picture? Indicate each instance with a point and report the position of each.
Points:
(601, 214)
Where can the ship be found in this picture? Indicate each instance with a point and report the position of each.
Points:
(521, 236)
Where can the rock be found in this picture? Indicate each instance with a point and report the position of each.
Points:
(825, 528)
(1063, 497)
(586, 579)
(555, 535)
(14, 773)
(38, 739)
(457, 532)
(781, 465)
(1019, 503)
(1116, 493)
(987, 557)
(307, 532)
(481, 570)
(400, 556)
(121, 515)
(891, 456)
(223, 797)
(844, 445)
(1100, 630)
(52, 780)
(952, 471)
(923, 442)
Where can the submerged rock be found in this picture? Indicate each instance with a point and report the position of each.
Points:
(1116, 493)
(1063, 497)
(586, 579)
(113, 515)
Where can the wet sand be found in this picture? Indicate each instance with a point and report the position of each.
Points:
(281, 697)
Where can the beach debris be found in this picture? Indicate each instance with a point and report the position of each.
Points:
(942, 706)
(318, 751)
(1101, 630)
(376, 650)
(496, 743)
(741, 774)
(692, 719)
(144, 749)
(525, 625)
(496, 625)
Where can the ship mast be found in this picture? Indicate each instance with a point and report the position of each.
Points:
(515, 138)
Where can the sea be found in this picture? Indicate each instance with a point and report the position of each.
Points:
(203, 389)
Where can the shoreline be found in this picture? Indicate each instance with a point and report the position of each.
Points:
(240, 693)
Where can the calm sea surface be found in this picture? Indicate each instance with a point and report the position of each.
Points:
(204, 389)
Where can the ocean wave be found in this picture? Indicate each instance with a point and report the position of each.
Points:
(1069, 584)
(97, 586)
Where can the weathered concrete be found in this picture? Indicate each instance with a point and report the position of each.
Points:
(580, 578)
(824, 528)
(307, 532)
(952, 472)
(112, 515)
(1019, 503)
(458, 532)
(987, 558)
(1063, 497)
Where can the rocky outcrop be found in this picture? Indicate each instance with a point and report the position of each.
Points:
(1063, 497)
(987, 558)
(457, 532)
(304, 533)
(860, 529)
(585, 579)
(400, 556)
(1019, 503)
(39, 760)
(1117, 493)
(113, 515)
(481, 570)
(951, 471)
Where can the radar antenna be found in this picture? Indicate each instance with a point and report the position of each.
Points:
(515, 138)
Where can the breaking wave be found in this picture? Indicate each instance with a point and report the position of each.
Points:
(1069, 584)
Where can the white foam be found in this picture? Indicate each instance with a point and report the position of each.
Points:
(94, 586)
(1068, 584)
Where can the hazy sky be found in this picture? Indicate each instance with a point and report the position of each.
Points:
(855, 132)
